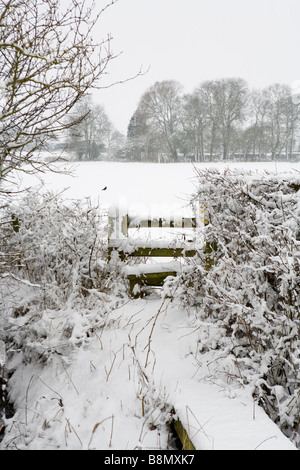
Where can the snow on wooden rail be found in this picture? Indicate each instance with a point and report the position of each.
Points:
(153, 248)
(124, 246)
(118, 236)
(119, 224)
(150, 274)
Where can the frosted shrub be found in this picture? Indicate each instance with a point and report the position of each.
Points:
(61, 245)
(245, 287)
(55, 274)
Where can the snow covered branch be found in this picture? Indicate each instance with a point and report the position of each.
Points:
(48, 61)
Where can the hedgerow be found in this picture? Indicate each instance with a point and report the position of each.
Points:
(244, 287)
(55, 281)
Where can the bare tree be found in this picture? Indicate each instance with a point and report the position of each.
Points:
(160, 106)
(91, 132)
(230, 98)
(194, 120)
(48, 61)
(282, 118)
(276, 121)
(200, 120)
(212, 117)
(143, 141)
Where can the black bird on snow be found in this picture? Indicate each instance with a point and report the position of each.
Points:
(104, 189)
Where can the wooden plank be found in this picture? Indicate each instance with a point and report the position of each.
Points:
(153, 279)
(183, 436)
(153, 252)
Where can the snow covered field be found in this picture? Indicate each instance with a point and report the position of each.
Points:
(119, 388)
(140, 187)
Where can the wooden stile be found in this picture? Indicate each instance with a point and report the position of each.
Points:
(124, 247)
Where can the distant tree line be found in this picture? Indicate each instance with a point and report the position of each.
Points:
(220, 119)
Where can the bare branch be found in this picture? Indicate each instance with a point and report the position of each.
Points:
(48, 62)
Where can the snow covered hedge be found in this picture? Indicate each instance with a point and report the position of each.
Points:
(54, 275)
(245, 288)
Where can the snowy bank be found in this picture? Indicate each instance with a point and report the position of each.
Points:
(98, 398)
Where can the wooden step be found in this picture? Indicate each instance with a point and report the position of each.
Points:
(149, 274)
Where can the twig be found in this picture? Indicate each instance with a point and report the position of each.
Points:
(201, 427)
(112, 429)
(109, 372)
(70, 379)
(74, 430)
(26, 398)
(97, 425)
(50, 388)
(151, 332)
(262, 442)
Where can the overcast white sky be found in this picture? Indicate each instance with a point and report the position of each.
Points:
(196, 40)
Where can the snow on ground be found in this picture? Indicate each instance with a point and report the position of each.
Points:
(215, 418)
(117, 391)
(142, 188)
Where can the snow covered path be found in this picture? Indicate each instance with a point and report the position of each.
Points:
(214, 418)
(116, 391)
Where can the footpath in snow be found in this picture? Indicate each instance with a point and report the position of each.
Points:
(214, 418)
(116, 390)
